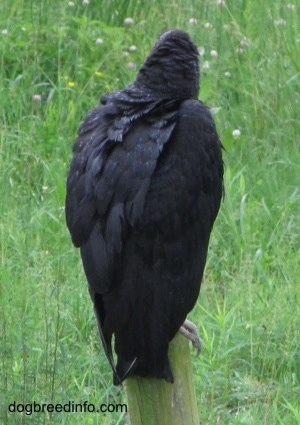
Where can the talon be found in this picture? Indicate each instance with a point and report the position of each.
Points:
(190, 331)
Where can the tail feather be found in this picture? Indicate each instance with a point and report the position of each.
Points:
(105, 337)
(123, 370)
(106, 342)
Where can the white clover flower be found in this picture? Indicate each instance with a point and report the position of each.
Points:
(71, 4)
(280, 22)
(125, 54)
(201, 50)
(193, 21)
(215, 110)
(131, 65)
(128, 21)
(85, 2)
(214, 54)
(4, 32)
(205, 65)
(208, 25)
(236, 133)
(220, 3)
(244, 42)
(132, 48)
(98, 41)
(291, 6)
(37, 98)
(227, 74)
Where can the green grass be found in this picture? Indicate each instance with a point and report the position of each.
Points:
(249, 309)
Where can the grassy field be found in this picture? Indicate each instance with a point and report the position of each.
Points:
(56, 60)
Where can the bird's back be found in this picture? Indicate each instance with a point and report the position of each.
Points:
(143, 192)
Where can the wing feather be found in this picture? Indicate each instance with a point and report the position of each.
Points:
(109, 180)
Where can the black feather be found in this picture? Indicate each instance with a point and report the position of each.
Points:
(143, 192)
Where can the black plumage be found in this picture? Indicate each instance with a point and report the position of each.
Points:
(143, 192)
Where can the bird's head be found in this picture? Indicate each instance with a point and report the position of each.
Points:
(172, 69)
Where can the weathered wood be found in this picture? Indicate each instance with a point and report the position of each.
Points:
(154, 401)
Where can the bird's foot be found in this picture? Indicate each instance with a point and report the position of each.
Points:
(190, 331)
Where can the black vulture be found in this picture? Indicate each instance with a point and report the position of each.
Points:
(143, 191)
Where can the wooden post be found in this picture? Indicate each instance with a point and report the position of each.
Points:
(154, 401)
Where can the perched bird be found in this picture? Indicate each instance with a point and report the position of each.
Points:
(143, 191)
